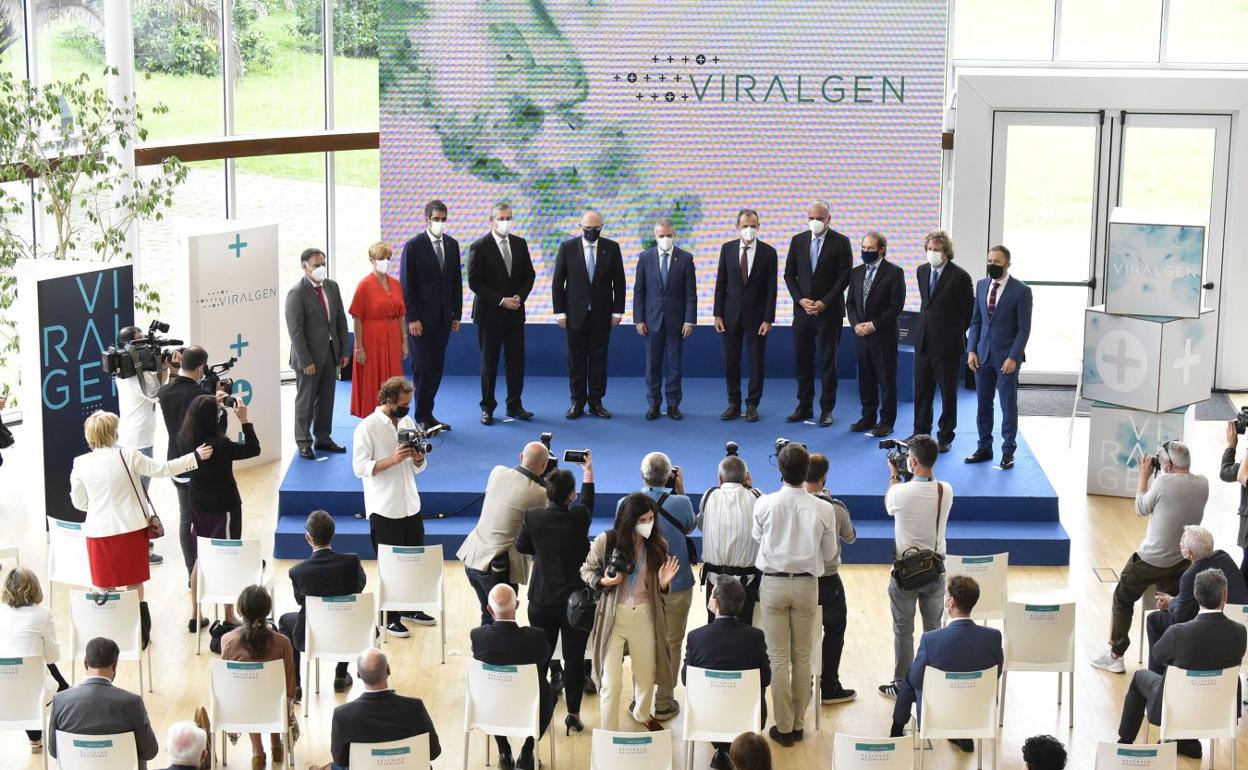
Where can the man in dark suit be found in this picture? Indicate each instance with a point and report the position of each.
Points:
(816, 271)
(1211, 641)
(996, 341)
(503, 643)
(727, 644)
(588, 289)
(325, 573)
(665, 310)
(877, 294)
(963, 645)
(317, 324)
(500, 275)
(433, 292)
(947, 298)
(96, 707)
(380, 714)
(745, 309)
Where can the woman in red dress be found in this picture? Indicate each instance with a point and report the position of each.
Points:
(380, 332)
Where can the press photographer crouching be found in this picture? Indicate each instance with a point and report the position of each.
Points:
(1234, 472)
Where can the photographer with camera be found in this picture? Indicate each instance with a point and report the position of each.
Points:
(832, 606)
(388, 468)
(1237, 473)
(728, 546)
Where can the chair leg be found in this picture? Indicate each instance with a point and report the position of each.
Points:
(688, 754)
(551, 734)
(151, 680)
(1001, 700)
(979, 753)
(139, 662)
(225, 744)
(918, 742)
(307, 673)
(317, 663)
(487, 750)
(467, 735)
(198, 634)
(1070, 701)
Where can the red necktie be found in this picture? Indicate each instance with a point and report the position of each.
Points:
(992, 299)
(320, 292)
(745, 263)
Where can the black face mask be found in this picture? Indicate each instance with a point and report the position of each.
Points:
(398, 411)
(995, 271)
(591, 233)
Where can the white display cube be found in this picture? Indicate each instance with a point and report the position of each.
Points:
(1155, 261)
(1119, 438)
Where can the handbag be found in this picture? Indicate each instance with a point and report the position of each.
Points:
(155, 528)
(919, 567)
(582, 607)
(693, 551)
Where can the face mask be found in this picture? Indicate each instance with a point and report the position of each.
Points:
(399, 411)
(995, 271)
(382, 265)
(817, 226)
(645, 529)
(666, 242)
(502, 226)
(748, 234)
(436, 228)
(935, 259)
(591, 233)
(870, 256)
(319, 273)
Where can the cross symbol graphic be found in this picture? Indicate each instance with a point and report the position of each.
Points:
(238, 345)
(700, 59)
(242, 391)
(685, 59)
(684, 97)
(1122, 362)
(654, 96)
(238, 245)
(647, 78)
(617, 76)
(1188, 360)
(640, 96)
(662, 78)
(715, 59)
(677, 77)
(654, 59)
(670, 59)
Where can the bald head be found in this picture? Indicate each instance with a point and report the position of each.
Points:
(591, 219)
(534, 456)
(503, 602)
(374, 669)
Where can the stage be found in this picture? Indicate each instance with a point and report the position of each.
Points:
(994, 511)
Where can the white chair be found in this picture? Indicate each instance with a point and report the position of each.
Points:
(336, 629)
(21, 681)
(249, 698)
(117, 619)
(850, 752)
(67, 556)
(1118, 756)
(630, 751)
(992, 575)
(226, 567)
(960, 705)
(1197, 705)
(503, 700)
(1040, 637)
(9, 556)
(96, 752)
(1239, 614)
(1148, 603)
(410, 580)
(407, 754)
(719, 706)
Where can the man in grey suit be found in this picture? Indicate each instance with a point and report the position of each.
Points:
(96, 707)
(317, 324)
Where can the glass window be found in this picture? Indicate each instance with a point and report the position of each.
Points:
(1056, 342)
(71, 40)
(1111, 30)
(357, 204)
(355, 64)
(1003, 29)
(282, 85)
(21, 225)
(177, 63)
(1208, 31)
(12, 40)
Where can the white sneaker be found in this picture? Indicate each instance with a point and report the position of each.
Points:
(1107, 662)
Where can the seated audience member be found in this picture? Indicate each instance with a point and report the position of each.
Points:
(96, 707)
(27, 628)
(727, 644)
(1043, 752)
(728, 545)
(379, 714)
(255, 641)
(834, 612)
(963, 645)
(325, 573)
(750, 752)
(503, 643)
(186, 745)
(1210, 641)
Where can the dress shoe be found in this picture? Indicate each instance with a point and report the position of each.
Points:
(330, 446)
(667, 713)
(825, 419)
(487, 418)
(731, 413)
(342, 683)
(859, 426)
(654, 725)
(1189, 748)
(800, 414)
(505, 762)
(978, 456)
(1007, 462)
(881, 431)
(751, 414)
(598, 410)
(653, 412)
(432, 421)
(797, 734)
(190, 625)
(574, 411)
(525, 761)
(306, 453)
(153, 557)
(784, 739)
(573, 722)
(721, 761)
(945, 447)
(674, 412)
(966, 744)
(520, 413)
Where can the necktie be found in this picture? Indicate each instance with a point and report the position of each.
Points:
(816, 244)
(931, 285)
(589, 260)
(992, 299)
(504, 246)
(320, 292)
(437, 249)
(745, 263)
(866, 282)
(663, 269)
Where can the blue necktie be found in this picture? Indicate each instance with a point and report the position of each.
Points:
(590, 264)
(931, 285)
(815, 246)
(870, 279)
(663, 270)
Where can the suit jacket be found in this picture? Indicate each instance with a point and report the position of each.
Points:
(489, 282)
(175, 398)
(963, 645)
(755, 302)
(1183, 606)
(1209, 641)
(324, 573)
(434, 296)
(509, 492)
(378, 716)
(573, 292)
(1005, 334)
(558, 539)
(828, 281)
(882, 306)
(96, 707)
(940, 329)
(312, 333)
(503, 643)
(656, 304)
(728, 645)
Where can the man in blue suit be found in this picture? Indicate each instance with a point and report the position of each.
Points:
(665, 309)
(433, 293)
(1000, 326)
(963, 645)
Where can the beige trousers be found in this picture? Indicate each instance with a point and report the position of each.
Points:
(676, 611)
(789, 612)
(633, 626)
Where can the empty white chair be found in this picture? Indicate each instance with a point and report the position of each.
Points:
(630, 751)
(1148, 603)
(1199, 704)
(96, 752)
(117, 619)
(249, 698)
(719, 706)
(850, 752)
(960, 704)
(410, 579)
(1118, 756)
(10, 557)
(1040, 637)
(992, 575)
(336, 629)
(67, 556)
(407, 754)
(503, 700)
(21, 681)
(226, 567)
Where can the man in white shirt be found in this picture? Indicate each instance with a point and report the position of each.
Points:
(136, 410)
(388, 471)
(796, 533)
(728, 544)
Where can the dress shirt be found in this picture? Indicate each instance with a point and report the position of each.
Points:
(680, 508)
(28, 631)
(99, 485)
(816, 246)
(136, 412)
(913, 506)
(319, 288)
(585, 247)
(796, 532)
(726, 521)
(392, 492)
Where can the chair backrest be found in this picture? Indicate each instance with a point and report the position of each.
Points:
(631, 751)
(96, 752)
(1118, 756)
(410, 577)
(226, 567)
(720, 705)
(1239, 614)
(1199, 703)
(502, 700)
(248, 697)
(1039, 637)
(991, 573)
(116, 619)
(851, 752)
(959, 704)
(407, 754)
(67, 554)
(339, 628)
(10, 556)
(21, 681)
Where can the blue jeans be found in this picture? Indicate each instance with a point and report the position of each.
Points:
(481, 585)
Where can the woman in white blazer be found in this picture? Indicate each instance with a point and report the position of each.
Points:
(27, 629)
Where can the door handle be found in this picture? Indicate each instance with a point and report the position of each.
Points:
(1208, 286)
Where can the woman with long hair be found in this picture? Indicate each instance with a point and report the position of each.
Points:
(256, 641)
(631, 567)
(27, 628)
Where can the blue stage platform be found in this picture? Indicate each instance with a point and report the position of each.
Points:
(994, 511)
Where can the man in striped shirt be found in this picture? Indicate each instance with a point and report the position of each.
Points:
(728, 545)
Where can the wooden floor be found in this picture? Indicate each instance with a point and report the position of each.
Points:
(1104, 532)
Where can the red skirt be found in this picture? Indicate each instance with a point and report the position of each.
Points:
(119, 560)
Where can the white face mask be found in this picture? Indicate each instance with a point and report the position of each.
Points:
(817, 226)
(645, 529)
(319, 273)
(748, 234)
(935, 259)
(502, 226)
(436, 228)
(666, 242)
(381, 265)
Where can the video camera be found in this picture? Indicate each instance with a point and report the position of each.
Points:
(552, 462)
(149, 353)
(618, 563)
(898, 454)
(731, 449)
(214, 381)
(418, 438)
